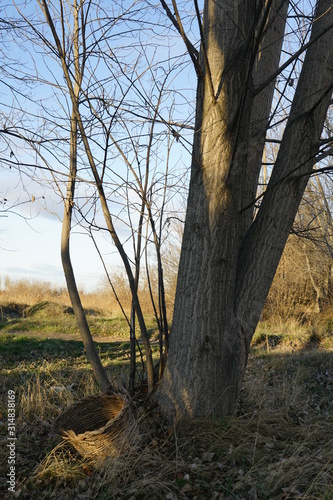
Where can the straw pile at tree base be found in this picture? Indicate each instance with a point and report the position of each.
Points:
(99, 426)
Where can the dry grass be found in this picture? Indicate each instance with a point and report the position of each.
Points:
(280, 444)
(103, 301)
(31, 292)
(37, 307)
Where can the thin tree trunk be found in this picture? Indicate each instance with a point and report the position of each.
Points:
(92, 354)
(99, 185)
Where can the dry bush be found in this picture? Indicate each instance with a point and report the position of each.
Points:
(30, 292)
(104, 299)
(291, 289)
(303, 283)
(303, 269)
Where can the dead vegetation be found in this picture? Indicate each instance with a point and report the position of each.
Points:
(278, 446)
(23, 293)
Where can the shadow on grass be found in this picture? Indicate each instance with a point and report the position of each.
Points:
(15, 348)
(280, 445)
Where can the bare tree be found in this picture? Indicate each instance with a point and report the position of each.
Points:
(78, 72)
(316, 236)
(253, 86)
(98, 126)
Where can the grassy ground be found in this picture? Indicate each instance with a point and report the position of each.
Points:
(52, 318)
(279, 445)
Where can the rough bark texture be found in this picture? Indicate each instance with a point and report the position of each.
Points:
(228, 261)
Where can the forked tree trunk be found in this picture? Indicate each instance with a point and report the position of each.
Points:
(228, 261)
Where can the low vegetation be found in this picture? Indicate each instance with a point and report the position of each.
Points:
(22, 293)
(39, 308)
(51, 318)
(279, 444)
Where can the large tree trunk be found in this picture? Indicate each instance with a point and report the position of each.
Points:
(228, 261)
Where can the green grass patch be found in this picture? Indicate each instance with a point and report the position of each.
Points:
(23, 347)
(15, 348)
(49, 317)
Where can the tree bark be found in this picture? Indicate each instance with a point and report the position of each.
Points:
(228, 261)
(92, 354)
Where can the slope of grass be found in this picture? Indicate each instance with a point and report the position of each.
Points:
(50, 317)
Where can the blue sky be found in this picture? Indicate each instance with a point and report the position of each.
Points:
(30, 249)
(30, 232)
